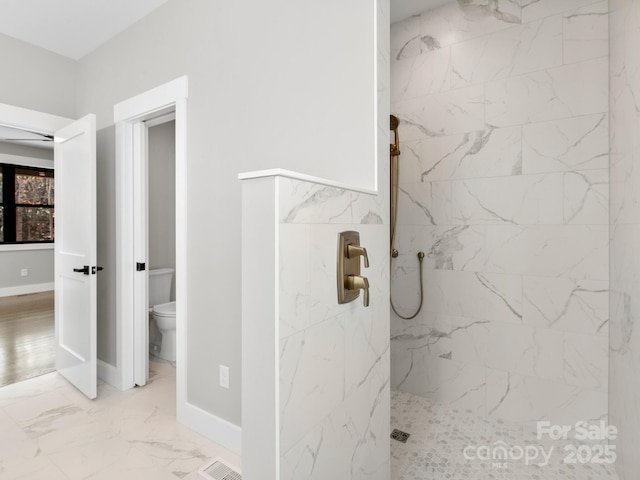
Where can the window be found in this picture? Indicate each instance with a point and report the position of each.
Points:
(26, 204)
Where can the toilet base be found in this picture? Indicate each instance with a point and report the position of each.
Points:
(168, 346)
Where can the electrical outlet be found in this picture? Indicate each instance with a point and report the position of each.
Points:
(224, 376)
(24, 272)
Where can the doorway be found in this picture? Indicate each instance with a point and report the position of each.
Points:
(133, 118)
(27, 343)
(75, 254)
(161, 234)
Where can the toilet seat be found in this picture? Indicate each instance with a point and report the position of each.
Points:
(165, 309)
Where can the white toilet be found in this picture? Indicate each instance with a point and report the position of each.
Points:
(162, 313)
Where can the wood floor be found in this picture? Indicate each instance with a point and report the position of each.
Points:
(26, 337)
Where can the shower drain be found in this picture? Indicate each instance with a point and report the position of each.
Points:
(218, 471)
(399, 435)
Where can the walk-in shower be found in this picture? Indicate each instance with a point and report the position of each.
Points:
(500, 173)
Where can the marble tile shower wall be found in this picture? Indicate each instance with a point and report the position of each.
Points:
(334, 359)
(624, 406)
(504, 185)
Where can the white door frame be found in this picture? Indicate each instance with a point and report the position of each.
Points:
(129, 116)
(26, 119)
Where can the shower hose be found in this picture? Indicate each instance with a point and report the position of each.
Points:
(420, 258)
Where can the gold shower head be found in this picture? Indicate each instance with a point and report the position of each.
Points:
(393, 124)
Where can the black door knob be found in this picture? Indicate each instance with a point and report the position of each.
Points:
(84, 270)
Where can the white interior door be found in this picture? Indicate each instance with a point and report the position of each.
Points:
(140, 253)
(76, 254)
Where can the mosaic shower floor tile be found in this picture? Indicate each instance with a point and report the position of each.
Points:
(449, 444)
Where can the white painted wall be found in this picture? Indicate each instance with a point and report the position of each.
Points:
(320, 369)
(8, 149)
(302, 97)
(37, 79)
(162, 198)
(106, 234)
(39, 264)
(270, 89)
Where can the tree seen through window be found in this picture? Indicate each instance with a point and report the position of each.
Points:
(26, 204)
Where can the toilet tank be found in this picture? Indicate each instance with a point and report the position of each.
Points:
(160, 286)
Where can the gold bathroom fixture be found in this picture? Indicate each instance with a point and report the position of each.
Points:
(349, 280)
(394, 188)
(394, 123)
(395, 146)
(356, 283)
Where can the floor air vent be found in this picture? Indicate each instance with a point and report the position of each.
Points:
(218, 471)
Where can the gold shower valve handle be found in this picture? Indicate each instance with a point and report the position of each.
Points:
(348, 267)
(356, 282)
(354, 251)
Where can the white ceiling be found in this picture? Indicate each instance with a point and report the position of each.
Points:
(403, 9)
(72, 28)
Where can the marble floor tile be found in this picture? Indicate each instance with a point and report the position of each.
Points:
(92, 457)
(46, 431)
(37, 468)
(46, 413)
(17, 392)
(134, 466)
(49, 430)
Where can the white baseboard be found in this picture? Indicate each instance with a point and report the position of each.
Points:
(25, 289)
(109, 374)
(214, 428)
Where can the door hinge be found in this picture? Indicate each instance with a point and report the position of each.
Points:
(141, 267)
